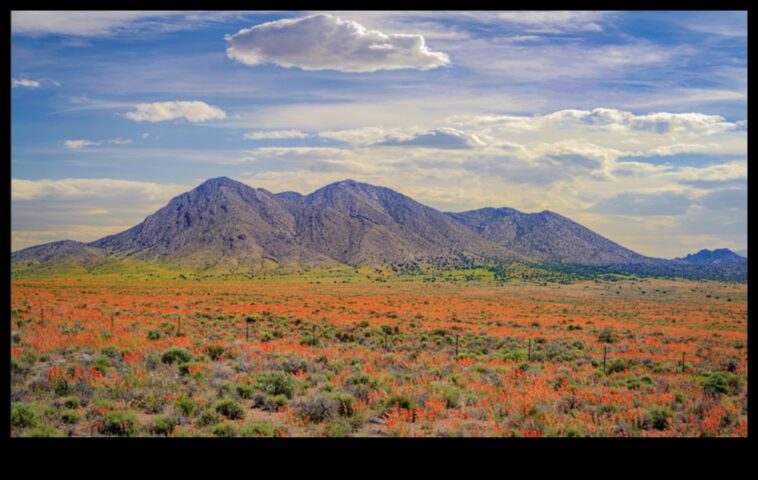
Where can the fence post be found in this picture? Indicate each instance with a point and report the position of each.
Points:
(313, 335)
(43, 316)
(682, 362)
(178, 325)
(529, 354)
(113, 315)
(456, 344)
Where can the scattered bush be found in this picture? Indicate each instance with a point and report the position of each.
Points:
(230, 409)
(657, 418)
(276, 383)
(118, 423)
(22, 416)
(164, 425)
(316, 408)
(176, 354)
(259, 429)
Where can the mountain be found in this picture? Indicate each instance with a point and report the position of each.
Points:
(221, 223)
(719, 256)
(547, 237)
(359, 224)
(742, 253)
(227, 225)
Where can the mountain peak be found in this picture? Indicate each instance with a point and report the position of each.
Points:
(218, 182)
(713, 257)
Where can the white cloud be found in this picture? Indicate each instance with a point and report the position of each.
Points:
(79, 144)
(194, 111)
(441, 137)
(548, 21)
(444, 137)
(24, 82)
(325, 42)
(68, 188)
(107, 23)
(275, 135)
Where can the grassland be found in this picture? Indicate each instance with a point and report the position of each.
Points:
(373, 352)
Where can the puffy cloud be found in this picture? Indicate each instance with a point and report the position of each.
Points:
(194, 111)
(326, 42)
(24, 82)
(275, 135)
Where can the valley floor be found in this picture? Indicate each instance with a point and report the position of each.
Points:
(367, 355)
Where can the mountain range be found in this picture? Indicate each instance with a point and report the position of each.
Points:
(224, 224)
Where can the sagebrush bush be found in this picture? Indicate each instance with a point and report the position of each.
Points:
(259, 429)
(118, 423)
(22, 416)
(657, 418)
(230, 409)
(225, 429)
(164, 425)
(276, 383)
(316, 408)
(176, 355)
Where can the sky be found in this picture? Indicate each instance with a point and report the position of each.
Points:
(633, 124)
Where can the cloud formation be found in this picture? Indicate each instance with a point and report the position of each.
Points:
(24, 82)
(326, 42)
(194, 112)
(79, 144)
(275, 135)
(436, 138)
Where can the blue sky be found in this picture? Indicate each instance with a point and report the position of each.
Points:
(631, 123)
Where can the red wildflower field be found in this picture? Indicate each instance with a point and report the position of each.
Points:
(350, 356)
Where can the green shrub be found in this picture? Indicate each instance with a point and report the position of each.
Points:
(208, 417)
(72, 402)
(70, 417)
(617, 365)
(230, 409)
(276, 383)
(185, 406)
(215, 351)
(164, 425)
(102, 364)
(245, 391)
(259, 429)
(154, 335)
(346, 407)
(176, 354)
(226, 430)
(721, 383)
(22, 416)
(657, 418)
(118, 423)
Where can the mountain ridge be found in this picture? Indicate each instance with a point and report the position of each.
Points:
(226, 224)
